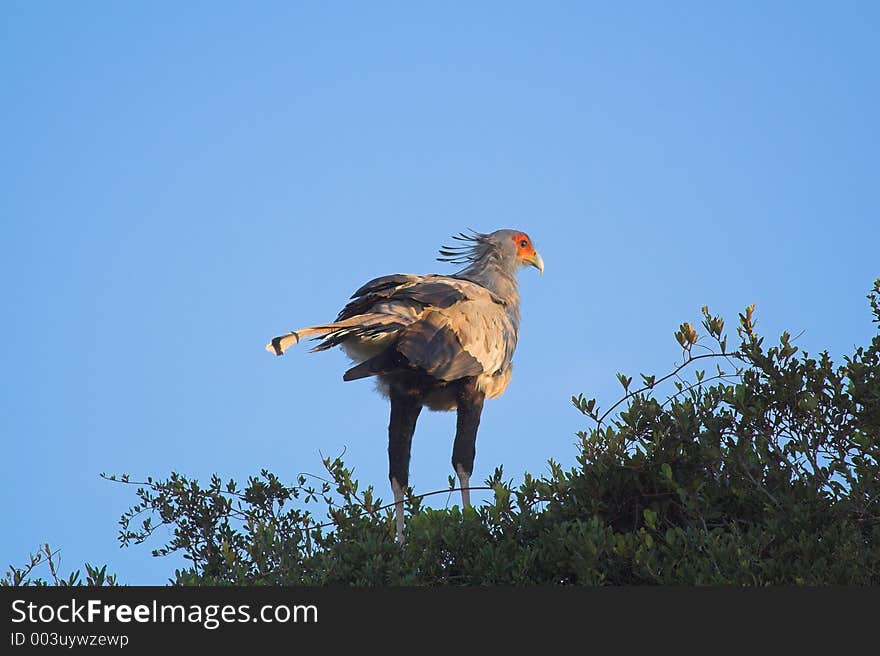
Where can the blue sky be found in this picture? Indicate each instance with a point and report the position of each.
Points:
(183, 181)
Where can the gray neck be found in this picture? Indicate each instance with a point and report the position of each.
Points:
(498, 277)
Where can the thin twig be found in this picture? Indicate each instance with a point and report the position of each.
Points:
(654, 384)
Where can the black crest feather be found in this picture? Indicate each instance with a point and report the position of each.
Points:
(470, 251)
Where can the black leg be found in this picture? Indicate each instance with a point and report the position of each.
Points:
(405, 409)
(470, 407)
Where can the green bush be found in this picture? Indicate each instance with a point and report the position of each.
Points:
(765, 470)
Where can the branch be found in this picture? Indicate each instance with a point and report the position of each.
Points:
(414, 496)
(654, 384)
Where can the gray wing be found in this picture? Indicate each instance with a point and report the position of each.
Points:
(450, 328)
(433, 344)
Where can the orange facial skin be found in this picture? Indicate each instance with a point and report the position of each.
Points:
(524, 248)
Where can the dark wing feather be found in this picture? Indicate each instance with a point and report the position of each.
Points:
(435, 294)
(386, 282)
(432, 345)
(376, 291)
(387, 361)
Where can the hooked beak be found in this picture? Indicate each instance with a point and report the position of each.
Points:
(537, 261)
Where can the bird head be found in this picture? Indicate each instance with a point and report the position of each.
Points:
(513, 248)
(525, 251)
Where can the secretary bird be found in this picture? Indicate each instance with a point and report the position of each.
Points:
(443, 342)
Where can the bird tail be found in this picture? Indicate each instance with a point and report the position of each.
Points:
(334, 333)
(280, 344)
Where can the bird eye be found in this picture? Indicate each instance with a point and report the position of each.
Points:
(523, 243)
